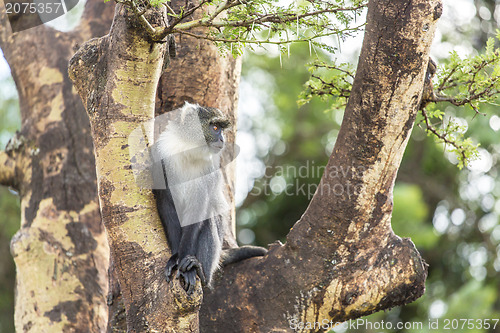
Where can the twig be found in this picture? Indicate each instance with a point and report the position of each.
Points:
(267, 18)
(345, 93)
(442, 137)
(250, 41)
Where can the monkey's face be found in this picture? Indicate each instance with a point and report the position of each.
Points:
(215, 137)
(213, 123)
(198, 131)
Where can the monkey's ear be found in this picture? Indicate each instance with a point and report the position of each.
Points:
(187, 109)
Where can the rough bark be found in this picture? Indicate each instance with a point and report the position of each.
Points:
(341, 259)
(117, 77)
(7, 169)
(60, 251)
(197, 74)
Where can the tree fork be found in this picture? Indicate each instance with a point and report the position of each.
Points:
(116, 77)
(342, 259)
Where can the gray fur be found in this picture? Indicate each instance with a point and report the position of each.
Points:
(192, 207)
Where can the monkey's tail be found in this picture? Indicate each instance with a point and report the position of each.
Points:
(232, 255)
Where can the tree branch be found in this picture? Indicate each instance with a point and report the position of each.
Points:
(342, 259)
(159, 33)
(443, 136)
(267, 18)
(117, 77)
(259, 42)
(7, 170)
(180, 17)
(464, 73)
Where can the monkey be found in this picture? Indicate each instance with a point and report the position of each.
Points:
(192, 206)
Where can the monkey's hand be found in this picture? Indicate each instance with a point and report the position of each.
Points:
(171, 267)
(188, 268)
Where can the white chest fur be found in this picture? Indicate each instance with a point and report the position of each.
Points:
(194, 179)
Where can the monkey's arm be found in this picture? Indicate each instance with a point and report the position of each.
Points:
(171, 227)
(232, 255)
(165, 203)
(188, 264)
(169, 218)
(182, 242)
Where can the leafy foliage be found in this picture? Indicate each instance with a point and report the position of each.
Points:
(451, 133)
(270, 22)
(234, 24)
(329, 82)
(472, 82)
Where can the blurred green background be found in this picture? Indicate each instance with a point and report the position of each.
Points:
(451, 215)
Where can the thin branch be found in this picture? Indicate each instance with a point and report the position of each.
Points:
(488, 91)
(330, 67)
(267, 18)
(445, 80)
(156, 34)
(442, 137)
(469, 83)
(250, 41)
(345, 93)
(159, 33)
(140, 14)
(170, 10)
(178, 18)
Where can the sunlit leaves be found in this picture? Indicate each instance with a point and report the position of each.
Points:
(329, 82)
(157, 3)
(470, 82)
(235, 24)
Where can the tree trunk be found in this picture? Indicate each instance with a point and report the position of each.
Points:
(342, 260)
(60, 251)
(198, 74)
(117, 77)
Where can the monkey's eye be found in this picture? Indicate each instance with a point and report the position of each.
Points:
(216, 129)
